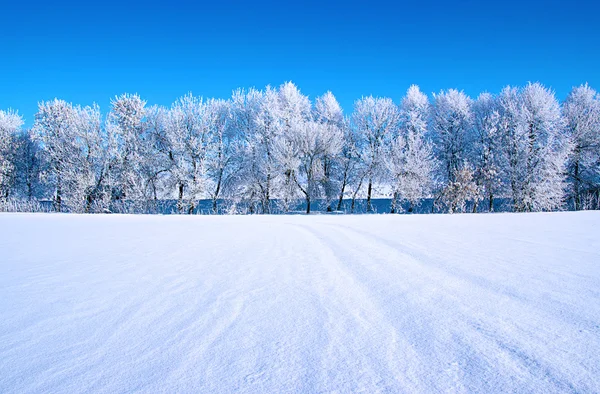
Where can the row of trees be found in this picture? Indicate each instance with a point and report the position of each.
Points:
(262, 146)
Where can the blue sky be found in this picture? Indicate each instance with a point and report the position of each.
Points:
(88, 52)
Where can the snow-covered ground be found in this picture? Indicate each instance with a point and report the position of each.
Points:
(379, 303)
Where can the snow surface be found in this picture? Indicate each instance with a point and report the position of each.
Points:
(379, 303)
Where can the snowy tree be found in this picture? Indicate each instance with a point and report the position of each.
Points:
(220, 168)
(246, 177)
(452, 120)
(261, 149)
(88, 190)
(129, 149)
(328, 112)
(294, 112)
(582, 115)
(546, 148)
(75, 151)
(28, 167)
(191, 133)
(535, 150)
(410, 157)
(514, 140)
(10, 124)
(375, 120)
(160, 155)
(54, 127)
(461, 189)
(487, 146)
(315, 142)
(347, 162)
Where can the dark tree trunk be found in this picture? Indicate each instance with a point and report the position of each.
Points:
(394, 202)
(341, 199)
(576, 187)
(266, 208)
(58, 200)
(369, 190)
(180, 199)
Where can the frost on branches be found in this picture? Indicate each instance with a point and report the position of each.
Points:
(582, 116)
(410, 156)
(265, 151)
(10, 125)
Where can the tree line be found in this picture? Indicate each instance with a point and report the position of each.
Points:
(262, 148)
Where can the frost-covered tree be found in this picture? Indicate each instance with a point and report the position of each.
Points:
(581, 111)
(190, 131)
(129, 148)
(28, 169)
(315, 142)
(535, 148)
(75, 153)
(461, 189)
(55, 129)
(89, 191)
(350, 174)
(261, 149)
(247, 152)
(486, 149)
(10, 125)
(514, 141)
(160, 158)
(410, 157)
(376, 121)
(222, 148)
(546, 150)
(294, 113)
(328, 112)
(452, 120)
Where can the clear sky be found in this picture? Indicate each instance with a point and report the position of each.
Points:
(88, 52)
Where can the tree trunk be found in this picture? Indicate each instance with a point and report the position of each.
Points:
(58, 200)
(576, 187)
(217, 191)
(266, 207)
(180, 199)
(341, 199)
(307, 205)
(88, 204)
(369, 189)
(393, 204)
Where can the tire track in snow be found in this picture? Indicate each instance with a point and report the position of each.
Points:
(358, 332)
(466, 321)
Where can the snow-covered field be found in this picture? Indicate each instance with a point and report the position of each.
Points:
(379, 303)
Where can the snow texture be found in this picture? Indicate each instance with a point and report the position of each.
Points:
(373, 303)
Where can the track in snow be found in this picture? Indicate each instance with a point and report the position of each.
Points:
(432, 303)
